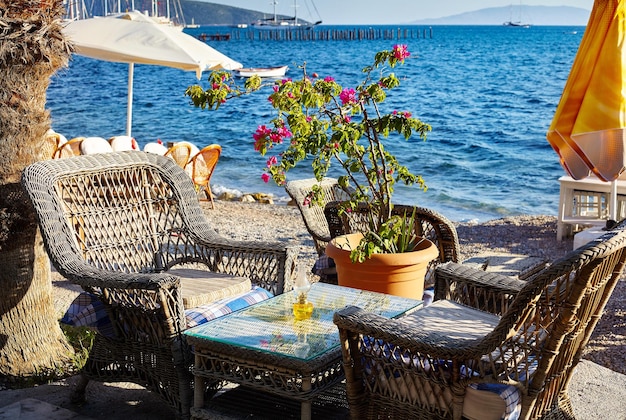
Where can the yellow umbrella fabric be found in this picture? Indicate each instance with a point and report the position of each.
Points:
(587, 130)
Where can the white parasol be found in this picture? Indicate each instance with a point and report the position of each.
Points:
(133, 37)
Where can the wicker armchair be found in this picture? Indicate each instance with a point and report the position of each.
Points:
(440, 361)
(313, 215)
(201, 167)
(114, 224)
(428, 224)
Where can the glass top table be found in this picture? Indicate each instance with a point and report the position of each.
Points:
(270, 326)
(263, 346)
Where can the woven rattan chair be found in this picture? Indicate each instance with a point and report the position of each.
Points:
(181, 153)
(439, 361)
(114, 224)
(69, 148)
(428, 224)
(52, 142)
(202, 166)
(313, 214)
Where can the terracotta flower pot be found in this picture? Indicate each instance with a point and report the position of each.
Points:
(395, 274)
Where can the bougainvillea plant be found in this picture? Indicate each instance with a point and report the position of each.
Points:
(319, 121)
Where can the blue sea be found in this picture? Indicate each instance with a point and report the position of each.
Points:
(489, 93)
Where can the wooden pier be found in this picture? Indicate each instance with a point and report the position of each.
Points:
(319, 34)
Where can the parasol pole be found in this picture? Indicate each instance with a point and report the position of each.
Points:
(129, 112)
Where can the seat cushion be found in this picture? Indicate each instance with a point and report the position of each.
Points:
(87, 310)
(452, 322)
(200, 287)
(488, 401)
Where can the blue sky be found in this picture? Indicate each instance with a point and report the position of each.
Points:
(337, 12)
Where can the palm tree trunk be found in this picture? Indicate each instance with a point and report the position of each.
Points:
(32, 48)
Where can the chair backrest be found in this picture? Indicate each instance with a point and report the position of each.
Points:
(180, 152)
(203, 163)
(427, 223)
(548, 324)
(128, 211)
(52, 142)
(95, 145)
(313, 214)
(69, 148)
(123, 143)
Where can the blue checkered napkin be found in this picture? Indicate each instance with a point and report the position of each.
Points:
(204, 313)
(322, 264)
(87, 311)
(509, 394)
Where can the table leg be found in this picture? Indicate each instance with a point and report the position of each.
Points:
(198, 388)
(305, 407)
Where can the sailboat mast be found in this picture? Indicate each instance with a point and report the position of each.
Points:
(295, 12)
(275, 15)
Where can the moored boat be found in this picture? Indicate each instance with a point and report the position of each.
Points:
(285, 22)
(278, 71)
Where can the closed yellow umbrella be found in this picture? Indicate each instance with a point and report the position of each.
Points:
(588, 126)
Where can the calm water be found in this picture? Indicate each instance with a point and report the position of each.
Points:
(488, 92)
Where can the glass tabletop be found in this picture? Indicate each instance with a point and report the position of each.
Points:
(270, 326)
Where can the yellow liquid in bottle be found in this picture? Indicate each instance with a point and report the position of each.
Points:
(302, 309)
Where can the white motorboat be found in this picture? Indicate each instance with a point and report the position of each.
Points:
(278, 71)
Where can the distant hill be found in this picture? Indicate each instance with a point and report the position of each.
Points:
(204, 13)
(533, 15)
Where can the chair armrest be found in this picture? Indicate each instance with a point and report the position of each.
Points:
(270, 265)
(90, 277)
(490, 292)
(435, 342)
(145, 306)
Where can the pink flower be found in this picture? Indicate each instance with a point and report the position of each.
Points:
(272, 161)
(275, 88)
(347, 119)
(400, 52)
(215, 86)
(276, 137)
(265, 177)
(329, 79)
(348, 96)
(284, 133)
(261, 132)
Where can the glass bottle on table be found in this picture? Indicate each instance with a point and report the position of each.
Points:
(302, 309)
